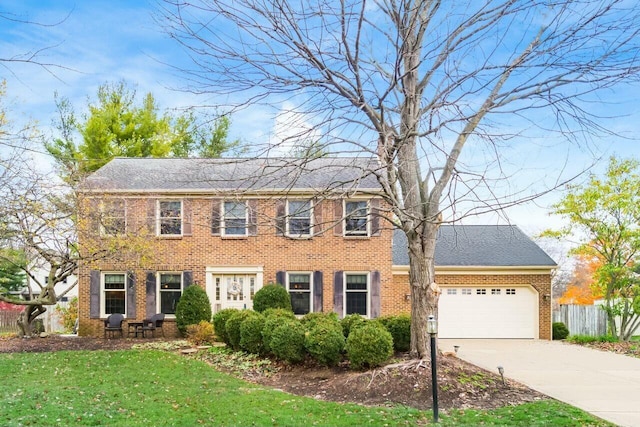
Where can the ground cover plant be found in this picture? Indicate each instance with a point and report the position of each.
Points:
(152, 387)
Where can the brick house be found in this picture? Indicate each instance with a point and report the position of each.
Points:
(317, 227)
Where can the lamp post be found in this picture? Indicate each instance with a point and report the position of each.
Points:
(432, 330)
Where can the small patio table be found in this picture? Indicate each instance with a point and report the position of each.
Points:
(135, 328)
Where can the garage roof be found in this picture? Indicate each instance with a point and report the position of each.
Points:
(478, 245)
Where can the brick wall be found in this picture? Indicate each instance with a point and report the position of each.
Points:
(327, 252)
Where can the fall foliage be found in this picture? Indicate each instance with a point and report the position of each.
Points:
(580, 289)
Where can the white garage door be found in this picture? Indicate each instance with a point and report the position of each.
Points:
(486, 312)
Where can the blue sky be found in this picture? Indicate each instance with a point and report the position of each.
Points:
(102, 41)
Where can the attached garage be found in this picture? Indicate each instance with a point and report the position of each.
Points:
(495, 282)
(488, 312)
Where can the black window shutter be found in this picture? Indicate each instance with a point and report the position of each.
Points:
(338, 220)
(131, 295)
(187, 228)
(280, 217)
(375, 217)
(151, 293)
(94, 294)
(280, 278)
(253, 218)
(187, 279)
(375, 294)
(151, 216)
(317, 218)
(317, 291)
(338, 292)
(215, 217)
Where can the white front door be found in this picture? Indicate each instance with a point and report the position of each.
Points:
(232, 291)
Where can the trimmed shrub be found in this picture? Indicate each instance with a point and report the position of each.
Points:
(325, 343)
(273, 318)
(351, 321)
(287, 341)
(310, 320)
(369, 346)
(271, 296)
(201, 334)
(233, 327)
(220, 323)
(559, 331)
(193, 307)
(400, 329)
(251, 334)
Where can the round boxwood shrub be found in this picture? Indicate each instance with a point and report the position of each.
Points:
(325, 343)
(220, 323)
(369, 345)
(251, 334)
(287, 341)
(273, 318)
(400, 329)
(559, 331)
(233, 327)
(351, 321)
(192, 308)
(310, 320)
(271, 296)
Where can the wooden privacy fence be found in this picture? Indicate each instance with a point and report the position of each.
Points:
(582, 319)
(8, 320)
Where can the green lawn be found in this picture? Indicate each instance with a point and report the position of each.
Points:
(156, 388)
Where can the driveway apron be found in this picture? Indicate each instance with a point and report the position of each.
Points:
(604, 384)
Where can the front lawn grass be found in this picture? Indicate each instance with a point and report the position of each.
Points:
(149, 387)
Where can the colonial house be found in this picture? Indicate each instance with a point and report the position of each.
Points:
(318, 227)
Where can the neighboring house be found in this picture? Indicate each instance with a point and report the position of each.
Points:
(316, 227)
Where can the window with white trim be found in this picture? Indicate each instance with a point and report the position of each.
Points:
(356, 218)
(234, 219)
(299, 213)
(114, 293)
(481, 291)
(113, 217)
(495, 291)
(169, 292)
(356, 294)
(170, 217)
(300, 289)
(466, 291)
(511, 291)
(452, 291)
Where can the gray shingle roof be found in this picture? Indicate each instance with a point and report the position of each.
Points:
(260, 174)
(478, 245)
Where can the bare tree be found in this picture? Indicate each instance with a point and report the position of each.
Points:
(415, 82)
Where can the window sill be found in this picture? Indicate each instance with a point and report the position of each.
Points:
(299, 237)
(169, 236)
(232, 237)
(357, 237)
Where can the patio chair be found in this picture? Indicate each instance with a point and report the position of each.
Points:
(113, 324)
(153, 324)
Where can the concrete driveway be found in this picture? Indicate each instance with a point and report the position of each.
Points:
(606, 385)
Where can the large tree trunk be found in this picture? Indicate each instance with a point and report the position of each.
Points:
(27, 316)
(424, 291)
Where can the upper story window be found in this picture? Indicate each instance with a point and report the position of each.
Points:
(170, 217)
(234, 219)
(300, 289)
(299, 217)
(114, 292)
(356, 294)
(356, 214)
(169, 292)
(113, 218)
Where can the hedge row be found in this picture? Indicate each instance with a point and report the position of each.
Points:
(320, 336)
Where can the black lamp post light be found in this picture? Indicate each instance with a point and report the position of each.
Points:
(432, 330)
